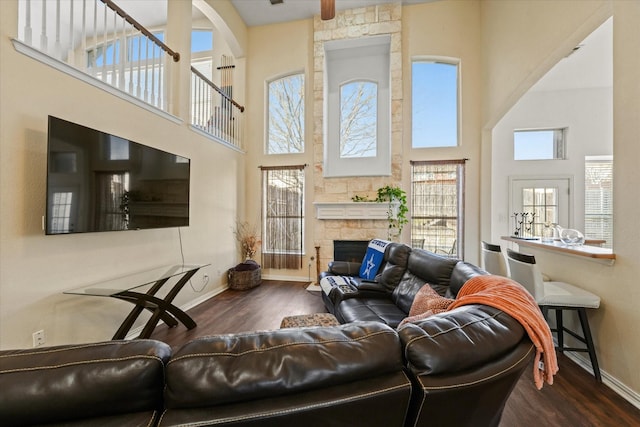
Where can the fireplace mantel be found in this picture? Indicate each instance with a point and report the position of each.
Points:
(352, 210)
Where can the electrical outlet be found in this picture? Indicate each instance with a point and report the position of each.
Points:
(38, 338)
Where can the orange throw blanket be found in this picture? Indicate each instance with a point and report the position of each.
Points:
(512, 298)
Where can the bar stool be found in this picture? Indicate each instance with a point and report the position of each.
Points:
(558, 296)
(493, 259)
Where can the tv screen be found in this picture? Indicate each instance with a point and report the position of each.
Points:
(101, 182)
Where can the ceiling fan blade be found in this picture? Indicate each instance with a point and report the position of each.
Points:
(327, 9)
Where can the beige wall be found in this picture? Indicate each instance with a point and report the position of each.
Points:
(35, 269)
(520, 42)
(275, 51)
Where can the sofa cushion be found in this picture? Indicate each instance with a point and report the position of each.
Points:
(477, 334)
(396, 257)
(462, 272)
(370, 309)
(76, 382)
(432, 268)
(232, 368)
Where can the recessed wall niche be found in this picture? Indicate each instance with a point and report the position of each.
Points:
(357, 137)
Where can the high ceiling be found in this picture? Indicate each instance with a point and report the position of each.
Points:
(262, 12)
(590, 66)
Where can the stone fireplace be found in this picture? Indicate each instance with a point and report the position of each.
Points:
(353, 24)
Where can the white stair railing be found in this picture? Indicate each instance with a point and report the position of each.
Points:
(100, 39)
(214, 111)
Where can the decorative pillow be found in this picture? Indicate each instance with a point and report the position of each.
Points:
(427, 302)
(373, 258)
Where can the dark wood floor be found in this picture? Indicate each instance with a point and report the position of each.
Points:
(575, 399)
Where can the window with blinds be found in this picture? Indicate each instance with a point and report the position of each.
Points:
(282, 217)
(437, 206)
(598, 199)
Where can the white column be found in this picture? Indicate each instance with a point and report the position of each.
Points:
(178, 74)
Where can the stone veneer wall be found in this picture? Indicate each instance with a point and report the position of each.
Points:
(351, 24)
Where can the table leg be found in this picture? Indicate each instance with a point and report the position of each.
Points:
(162, 308)
(166, 305)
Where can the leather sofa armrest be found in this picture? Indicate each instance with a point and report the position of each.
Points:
(344, 268)
(479, 333)
(364, 285)
(81, 382)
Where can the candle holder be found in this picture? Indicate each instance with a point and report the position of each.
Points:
(524, 224)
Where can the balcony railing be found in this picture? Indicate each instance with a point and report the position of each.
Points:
(101, 40)
(214, 111)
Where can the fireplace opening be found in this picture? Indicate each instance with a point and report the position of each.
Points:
(349, 250)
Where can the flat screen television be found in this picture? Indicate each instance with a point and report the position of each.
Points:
(101, 182)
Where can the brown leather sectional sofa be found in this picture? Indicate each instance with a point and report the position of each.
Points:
(454, 369)
(358, 374)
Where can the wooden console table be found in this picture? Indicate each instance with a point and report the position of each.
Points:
(128, 288)
(593, 252)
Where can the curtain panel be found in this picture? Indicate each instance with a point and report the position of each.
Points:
(282, 216)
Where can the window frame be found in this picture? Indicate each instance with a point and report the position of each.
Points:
(606, 215)
(445, 60)
(455, 250)
(559, 142)
(374, 126)
(282, 258)
(302, 118)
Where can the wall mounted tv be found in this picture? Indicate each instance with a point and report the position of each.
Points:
(101, 182)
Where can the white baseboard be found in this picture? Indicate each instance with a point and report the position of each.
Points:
(285, 278)
(613, 383)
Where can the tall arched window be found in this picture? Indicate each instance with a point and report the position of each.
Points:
(285, 121)
(358, 119)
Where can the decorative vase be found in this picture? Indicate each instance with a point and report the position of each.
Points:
(569, 236)
(548, 233)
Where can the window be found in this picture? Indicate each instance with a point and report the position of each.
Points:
(358, 118)
(282, 217)
(437, 206)
(542, 205)
(543, 199)
(434, 103)
(202, 52)
(201, 41)
(541, 144)
(139, 48)
(598, 199)
(285, 123)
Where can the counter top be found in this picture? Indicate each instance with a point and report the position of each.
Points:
(587, 251)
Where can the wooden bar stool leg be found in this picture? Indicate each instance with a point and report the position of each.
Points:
(586, 330)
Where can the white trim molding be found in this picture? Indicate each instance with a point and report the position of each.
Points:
(352, 210)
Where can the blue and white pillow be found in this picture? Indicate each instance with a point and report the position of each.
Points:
(373, 259)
